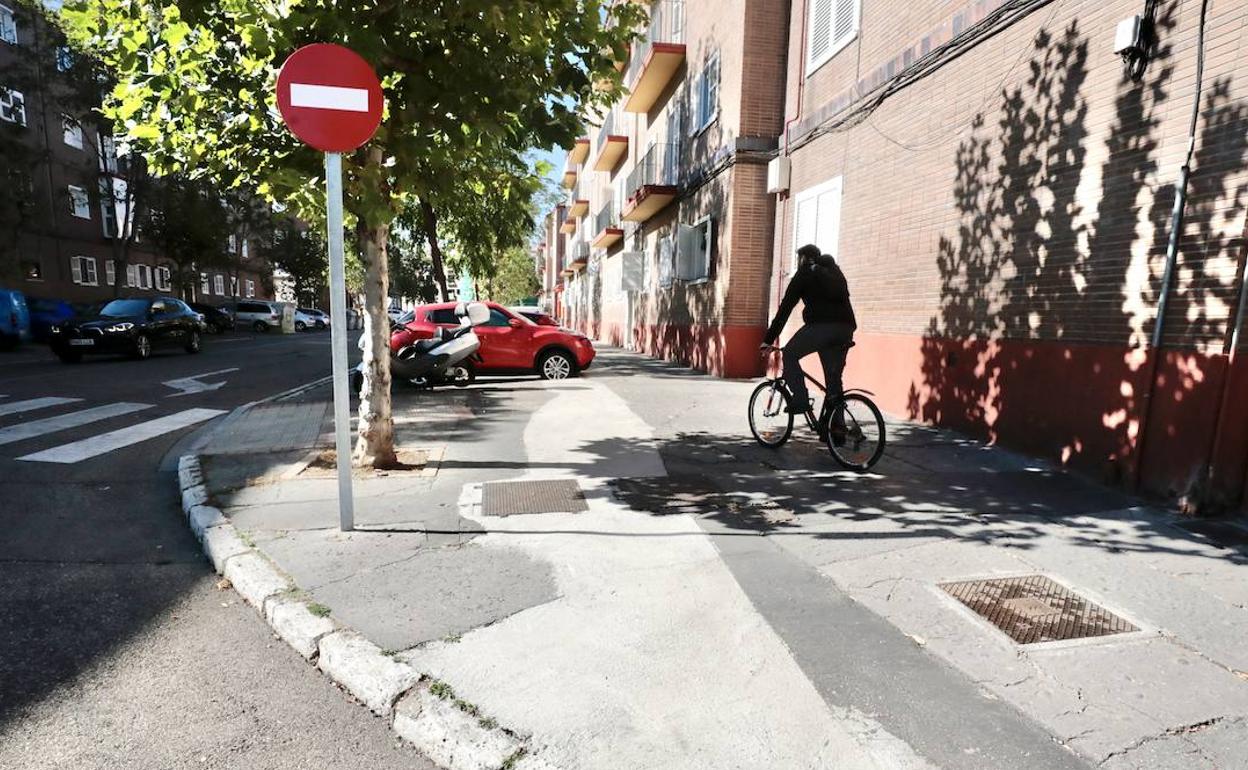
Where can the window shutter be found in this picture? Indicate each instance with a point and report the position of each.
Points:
(75, 267)
(131, 276)
(844, 22)
(829, 221)
(110, 272)
(820, 33)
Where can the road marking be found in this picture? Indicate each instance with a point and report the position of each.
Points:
(117, 439)
(35, 403)
(37, 428)
(191, 385)
(328, 97)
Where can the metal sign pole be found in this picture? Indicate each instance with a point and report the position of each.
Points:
(338, 334)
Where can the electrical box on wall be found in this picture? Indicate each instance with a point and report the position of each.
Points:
(1128, 38)
(778, 174)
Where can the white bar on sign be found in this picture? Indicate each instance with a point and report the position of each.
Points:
(107, 442)
(329, 97)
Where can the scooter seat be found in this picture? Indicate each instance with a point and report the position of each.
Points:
(424, 346)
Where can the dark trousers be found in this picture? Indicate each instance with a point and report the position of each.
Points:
(831, 342)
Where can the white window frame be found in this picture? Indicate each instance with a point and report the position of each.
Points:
(108, 208)
(162, 275)
(8, 25)
(71, 132)
(704, 98)
(12, 106)
(83, 271)
(205, 284)
(251, 288)
(110, 272)
(233, 286)
(143, 275)
(246, 249)
(108, 154)
(823, 200)
(686, 270)
(835, 45)
(79, 202)
(219, 284)
(132, 276)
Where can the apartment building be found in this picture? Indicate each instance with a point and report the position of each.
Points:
(667, 227)
(61, 232)
(998, 182)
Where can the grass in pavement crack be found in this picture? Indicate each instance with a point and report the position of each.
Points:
(515, 757)
(319, 610)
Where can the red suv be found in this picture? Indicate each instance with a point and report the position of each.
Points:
(510, 343)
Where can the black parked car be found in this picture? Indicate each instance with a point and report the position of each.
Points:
(216, 320)
(133, 326)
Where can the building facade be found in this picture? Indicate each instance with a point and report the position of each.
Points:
(62, 239)
(998, 186)
(998, 181)
(667, 227)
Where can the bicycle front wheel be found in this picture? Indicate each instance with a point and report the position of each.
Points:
(856, 433)
(770, 421)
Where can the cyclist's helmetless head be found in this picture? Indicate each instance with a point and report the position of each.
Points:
(807, 255)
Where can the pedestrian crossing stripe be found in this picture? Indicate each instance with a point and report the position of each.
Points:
(36, 428)
(117, 439)
(30, 405)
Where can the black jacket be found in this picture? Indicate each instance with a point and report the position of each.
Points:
(822, 289)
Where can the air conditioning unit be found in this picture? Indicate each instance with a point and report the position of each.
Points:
(778, 171)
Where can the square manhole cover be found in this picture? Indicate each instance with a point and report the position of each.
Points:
(508, 498)
(1034, 609)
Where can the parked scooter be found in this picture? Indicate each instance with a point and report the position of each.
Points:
(449, 357)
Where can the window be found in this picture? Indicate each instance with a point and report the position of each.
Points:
(132, 276)
(445, 316)
(251, 288)
(108, 209)
(32, 271)
(162, 278)
(667, 253)
(693, 250)
(246, 251)
(108, 154)
(817, 218)
(143, 275)
(704, 99)
(110, 272)
(79, 203)
(72, 132)
(220, 284)
(64, 59)
(12, 106)
(233, 286)
(232, 244)
(8, 25)
(205, 288)
(833, 23)
(83, 270)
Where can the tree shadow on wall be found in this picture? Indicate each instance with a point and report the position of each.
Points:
(1028, 263)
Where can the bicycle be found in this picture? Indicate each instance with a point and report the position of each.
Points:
(850, 424)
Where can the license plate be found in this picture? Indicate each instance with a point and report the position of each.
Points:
(81, 343)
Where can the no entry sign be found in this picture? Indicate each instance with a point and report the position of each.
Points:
(329, 97)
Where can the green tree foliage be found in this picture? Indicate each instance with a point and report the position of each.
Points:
(515, 279)
(188, 225)
(301, 253)
(465, 82)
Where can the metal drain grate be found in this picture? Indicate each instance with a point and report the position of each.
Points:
(508, 498)
(1035, 609)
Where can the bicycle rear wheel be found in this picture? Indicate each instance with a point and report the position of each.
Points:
(770, 422)
(856, 432)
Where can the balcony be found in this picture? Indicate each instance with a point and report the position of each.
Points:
(569, 178)
(653, 183)
(568, 227)
(655, 62)
(612, 142)
(579, 151)
(607, 227)
(580, 257)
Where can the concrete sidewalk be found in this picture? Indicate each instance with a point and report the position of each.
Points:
(719, 605)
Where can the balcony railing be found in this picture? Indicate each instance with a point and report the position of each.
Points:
(607, 228)
(653, 183)
(667, 25)
(610, 127)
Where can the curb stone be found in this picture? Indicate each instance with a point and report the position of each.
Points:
(439, 729)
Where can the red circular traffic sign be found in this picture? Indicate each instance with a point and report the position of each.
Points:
(329, 97)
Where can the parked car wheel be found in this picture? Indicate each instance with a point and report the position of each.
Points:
(556, 365)
(300, 326)
(193, 344)
(260, 326)
(69, 357)
(462, 374)
(320, 325)
(142, 347)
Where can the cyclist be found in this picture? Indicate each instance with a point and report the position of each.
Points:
(829, 324)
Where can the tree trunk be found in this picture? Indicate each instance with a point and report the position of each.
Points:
(435, 251)
(375, 443)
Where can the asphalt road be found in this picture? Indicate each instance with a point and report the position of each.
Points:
(116, 647)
